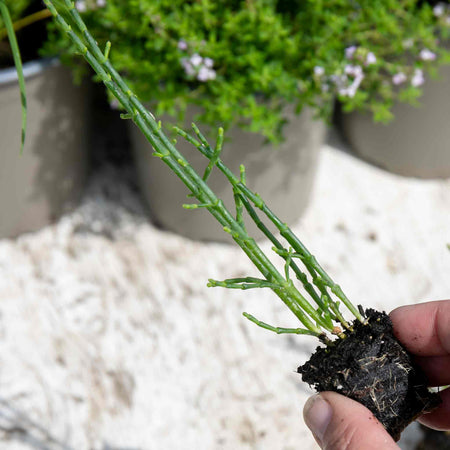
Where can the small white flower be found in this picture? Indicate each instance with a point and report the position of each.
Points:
(101, 3)
(81, 6)
(427, 55)
(348, 91)
(418, 78)
(355, 71)
(439, 10)
(319, 71)
(447, 20)
(187, 66)
(196, 60)
(345, 89)
(182, 45)
(399, 78)
(205, 74)
(350, 51)
(199, 67)
(370, 59)
(208, 62)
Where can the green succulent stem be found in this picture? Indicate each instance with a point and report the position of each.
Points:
(317, 321)
(278, 330)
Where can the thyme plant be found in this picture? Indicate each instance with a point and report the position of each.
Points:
(241, 62)
(320, 313)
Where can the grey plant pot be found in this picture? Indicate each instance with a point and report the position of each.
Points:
(37, 186)
(283, 176)
(416, 143)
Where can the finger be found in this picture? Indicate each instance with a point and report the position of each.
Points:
(339, 423)
(437, 369)
(424, 329)
(439, 419)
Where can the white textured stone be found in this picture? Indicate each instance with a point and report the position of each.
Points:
(110, 339)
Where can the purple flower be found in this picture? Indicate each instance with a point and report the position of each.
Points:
(350, 91)
(439, 10)
(370, 59)
(319, 71)
(187, 66)
(355, 71)
(196, 60)
(182, 45)
(199, 67)
(341, 82)
(418, 78)
(208, 62)
(350, 51)
(206, 74)
(427, 55)
(399, 78)
(81, 6)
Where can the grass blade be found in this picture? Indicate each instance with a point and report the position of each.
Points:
(18, 63)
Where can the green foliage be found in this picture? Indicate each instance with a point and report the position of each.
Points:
(265, 54)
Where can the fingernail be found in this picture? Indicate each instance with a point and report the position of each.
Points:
(317, 414)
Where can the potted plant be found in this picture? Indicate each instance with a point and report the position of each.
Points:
(39, 183)
(412, 67)
(251, 66)
(234, 63)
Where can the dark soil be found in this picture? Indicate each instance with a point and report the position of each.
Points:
(373, 368)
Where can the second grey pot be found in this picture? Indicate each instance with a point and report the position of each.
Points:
(282, 175)
(417, 141)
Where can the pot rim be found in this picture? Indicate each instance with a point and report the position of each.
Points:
(30, 70)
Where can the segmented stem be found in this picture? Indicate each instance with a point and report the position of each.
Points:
(319, 277)
(278, 330)
(315, 321)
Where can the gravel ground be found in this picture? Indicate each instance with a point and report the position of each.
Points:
(110, 339)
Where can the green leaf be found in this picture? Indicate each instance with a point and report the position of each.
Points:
(18, 63)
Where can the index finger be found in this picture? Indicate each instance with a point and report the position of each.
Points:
(424, 329)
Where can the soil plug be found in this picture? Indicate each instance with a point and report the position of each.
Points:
(373, 368)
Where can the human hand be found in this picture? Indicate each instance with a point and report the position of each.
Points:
(339, 423)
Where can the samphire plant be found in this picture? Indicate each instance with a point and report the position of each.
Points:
(359, 358)
(242, 61)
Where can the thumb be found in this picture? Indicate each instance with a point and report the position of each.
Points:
(339, 423)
